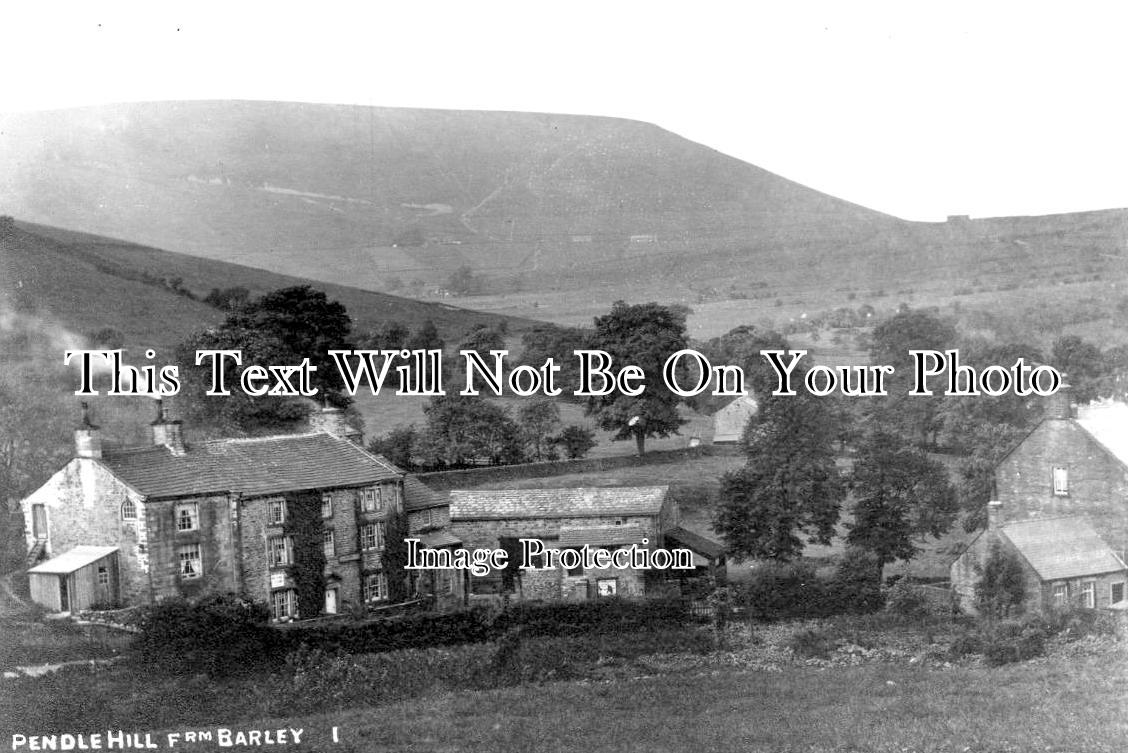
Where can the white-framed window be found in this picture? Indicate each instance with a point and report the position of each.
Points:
(372, 500)
(326, 505)
(1115, 592)
(372, 536)
(187, 516)
(376, 587)
(1061, 594)
(280, 551)
(191, 565)
(327, 543)
(607, 586)
(103, 575)
(1089, 594)
(128, 509)
(283, 604)
(399, 497)
(277, 512)
(1061, 481)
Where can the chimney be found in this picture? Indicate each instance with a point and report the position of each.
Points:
(1059, 406)
(331, 420)
(166, 432)
(994, 515)
(87, 437)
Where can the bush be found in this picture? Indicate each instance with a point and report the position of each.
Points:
(810, 644)
(907, 602)
(855, 587)
(777, 591)
(218, 635)
(1015, 640)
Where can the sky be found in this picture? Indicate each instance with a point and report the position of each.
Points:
(918, 110)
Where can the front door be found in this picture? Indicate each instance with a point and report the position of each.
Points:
(64, 594)
(330, 601)
(39, 522)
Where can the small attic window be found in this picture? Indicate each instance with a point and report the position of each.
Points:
(128, 510)
(1061, 482)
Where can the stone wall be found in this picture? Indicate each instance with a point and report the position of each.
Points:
(1098, 484)
(213, 534)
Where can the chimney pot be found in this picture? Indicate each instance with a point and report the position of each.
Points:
(994, 514)
(87, 437)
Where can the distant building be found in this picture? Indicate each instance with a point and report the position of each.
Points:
(729, 421)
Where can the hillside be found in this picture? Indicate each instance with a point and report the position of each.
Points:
(84, 283)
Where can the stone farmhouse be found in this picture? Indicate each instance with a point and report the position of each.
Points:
(572, 518)
(1061, 505)
(246, 516)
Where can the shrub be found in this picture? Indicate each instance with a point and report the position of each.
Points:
(218, 635)
(855, 587)
(907, 602)
(1015, 640)
(783, 590)
(810, 644)
(966, 642)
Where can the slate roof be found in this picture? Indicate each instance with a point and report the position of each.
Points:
(1107, 422)
(1060, 548)
(73, 559)
(419, 496)
(679, 536)
(599, 536)
(252, 467)
(575, 502)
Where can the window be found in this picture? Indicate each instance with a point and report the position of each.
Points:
(446, 582)
(607, 586)
(1061, 482)
(326, 505)
(187, 516)
(283, 605)
(579, 568)
(190, 566)
(277, 512)
(280, 551)
(376, 587)
(399, 498)
(1116, 593)
(372, 536)
(103, 575)
(128, 510)
(1061, 594)
(372, 501)
(327, 543)
(1089, 594)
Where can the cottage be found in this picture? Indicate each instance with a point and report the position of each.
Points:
(1064, 563)
(577, 518)
(264, 517)
(1062, 507)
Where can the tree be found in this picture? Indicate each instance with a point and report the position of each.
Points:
(900, 493)
(914, 417)
(482, 339)
(1081, 362)
(426, 338)
(462, 429)
(988, 444)
(283, 327)
(560, 344)
(576, 441)
(392, 335)
(644, 335)
(789, 486)
(1001, 587)
(397, 446)
(538, 418)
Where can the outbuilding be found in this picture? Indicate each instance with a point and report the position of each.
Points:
(78, 579)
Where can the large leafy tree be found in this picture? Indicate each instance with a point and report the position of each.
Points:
(914, 417)
(789, 488)
(462, 429)
(900, 494)
(281, 328)
(1081, 362)
(644, 335)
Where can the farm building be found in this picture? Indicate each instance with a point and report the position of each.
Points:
(1061, 504)
(83, 577)
(231, 515)
(729, 421)
(1064, 563)
(609, 518)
